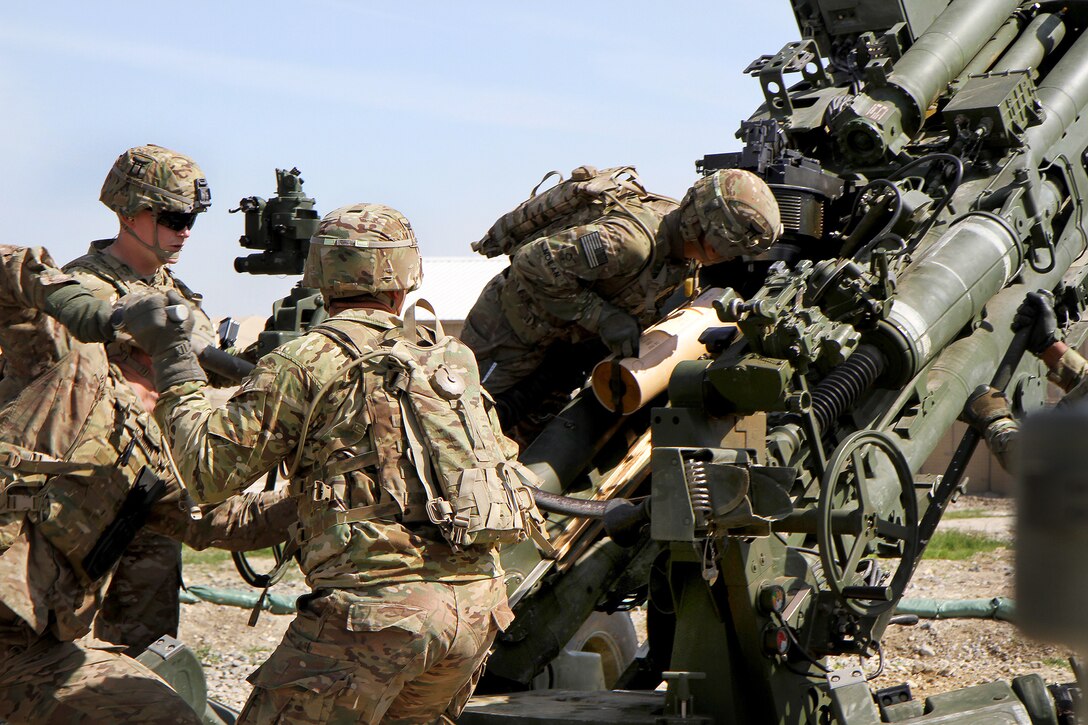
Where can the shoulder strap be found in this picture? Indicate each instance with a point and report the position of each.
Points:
(438, 509)
(343, 337)
(99, 264)
(183, 288)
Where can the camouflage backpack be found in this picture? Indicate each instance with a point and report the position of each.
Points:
(473, 493)
(587, 195)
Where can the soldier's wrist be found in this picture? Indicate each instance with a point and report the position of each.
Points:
(1052, 354)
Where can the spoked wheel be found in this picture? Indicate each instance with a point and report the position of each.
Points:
(861, 521)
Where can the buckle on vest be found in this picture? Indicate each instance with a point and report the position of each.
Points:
(459, 530)
(439, 511)
(321, 491)
(21, 502)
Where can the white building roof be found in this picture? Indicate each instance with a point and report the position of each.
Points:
(452, 284)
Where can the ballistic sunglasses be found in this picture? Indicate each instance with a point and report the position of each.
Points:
(177, 220)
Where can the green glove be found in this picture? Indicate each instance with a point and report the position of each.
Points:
(619, 331)
(85, 316)
(161, 325)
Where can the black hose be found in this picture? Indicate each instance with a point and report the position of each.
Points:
(957, 162)
(851, 242)
(624, 520)
(556, 504)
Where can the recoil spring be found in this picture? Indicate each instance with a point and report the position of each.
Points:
(696, 477)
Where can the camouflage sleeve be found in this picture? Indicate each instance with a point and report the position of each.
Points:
(99, 287)
(509, 447)
(556, 271)
(241, 523)
(220, 451)
(1071, 375)
(27, 276)
(1001, 437)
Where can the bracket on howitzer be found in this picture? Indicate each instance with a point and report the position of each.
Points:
(797, 56)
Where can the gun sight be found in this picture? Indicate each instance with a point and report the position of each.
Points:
(279, 227)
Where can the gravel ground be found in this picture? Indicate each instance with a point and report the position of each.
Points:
(220, 635)
(933, 657)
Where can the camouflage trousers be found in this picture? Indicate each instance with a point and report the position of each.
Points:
(141, 603)
(401, 654)
(503, 357)
(45, 681)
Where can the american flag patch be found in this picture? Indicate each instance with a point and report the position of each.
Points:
(593, 249)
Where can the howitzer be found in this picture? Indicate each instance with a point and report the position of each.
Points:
(930, 169)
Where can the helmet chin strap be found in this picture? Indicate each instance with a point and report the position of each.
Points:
(164, 256)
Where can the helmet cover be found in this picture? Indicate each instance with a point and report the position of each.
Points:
(363, 249)
(732, 212)
(155, 178)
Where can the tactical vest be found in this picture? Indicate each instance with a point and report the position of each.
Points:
(587, 195)
(430, 441)
(112, 271)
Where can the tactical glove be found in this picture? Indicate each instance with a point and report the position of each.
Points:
(85, 316)
(985, 405)
(619, 331)
(1037, 312)
(161, 325)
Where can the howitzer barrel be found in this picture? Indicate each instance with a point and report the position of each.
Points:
(568, 443)
(945, 289)
(890, 112)
(1042, 36)
(1003, 38)
(1063, 93)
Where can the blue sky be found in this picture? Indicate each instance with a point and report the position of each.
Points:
(450, 112)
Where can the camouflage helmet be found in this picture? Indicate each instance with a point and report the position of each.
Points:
(155, 178)
(732, 212)
(363, 249)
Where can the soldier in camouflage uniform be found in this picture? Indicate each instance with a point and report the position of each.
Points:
(74, 440)
(157, 194)
(988, 410)
(607, 279)
(399, 623)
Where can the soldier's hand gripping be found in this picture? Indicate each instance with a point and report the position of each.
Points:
(1037, 312)
(985, 405)
(161, 325)
(620, 332)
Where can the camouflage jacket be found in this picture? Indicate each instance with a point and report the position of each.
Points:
(62, 399)
(221, 450)
(110, 279)
(564, 281)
